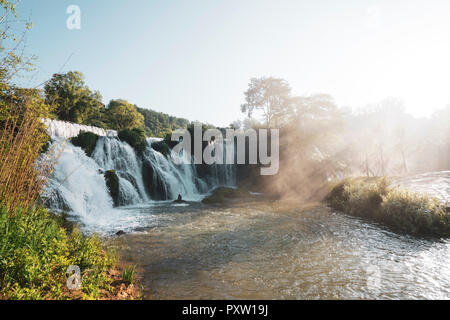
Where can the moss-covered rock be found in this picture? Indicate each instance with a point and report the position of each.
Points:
(219, 195)
(135, 138)
(112, 182)
(154, 186)
(87, 141)
(162, 147)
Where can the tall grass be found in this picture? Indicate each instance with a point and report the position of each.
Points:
(23, 169)
(401, 210)
(128, 275)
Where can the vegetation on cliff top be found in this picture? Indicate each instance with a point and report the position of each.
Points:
(134, 137)
(87, 141)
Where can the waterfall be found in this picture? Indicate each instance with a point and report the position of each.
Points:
(112, 154)
(78, 185)
(62, 129)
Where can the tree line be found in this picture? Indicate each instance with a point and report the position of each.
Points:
(74, 101)
(320, 140)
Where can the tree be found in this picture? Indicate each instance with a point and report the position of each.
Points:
(121, 115)
(72, 99)
(158, 124)
(271, 96)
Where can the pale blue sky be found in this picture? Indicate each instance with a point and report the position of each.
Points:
(194, 58)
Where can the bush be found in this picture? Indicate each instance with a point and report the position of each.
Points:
(87, 141)
(135, 138)
(401, 210)
(112, 183)
(128, 275)
(162, 147)
(36, 251)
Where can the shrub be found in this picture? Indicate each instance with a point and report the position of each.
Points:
(135, 138)
(162, 147)
(112, 183)
(401, 210)
(87, 141)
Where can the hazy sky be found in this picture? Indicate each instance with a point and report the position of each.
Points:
(194, 58)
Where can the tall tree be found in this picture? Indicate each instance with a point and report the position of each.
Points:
(121, 114)
(72, 98)
(271, 96)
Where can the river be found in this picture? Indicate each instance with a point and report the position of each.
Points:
(263, 249)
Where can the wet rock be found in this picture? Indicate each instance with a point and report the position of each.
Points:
(120, 233)
(112, 182)
(180, 199)
(153, 184)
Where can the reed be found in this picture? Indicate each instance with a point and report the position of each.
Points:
(24, 170)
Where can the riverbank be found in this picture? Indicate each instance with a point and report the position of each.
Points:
(37, 249)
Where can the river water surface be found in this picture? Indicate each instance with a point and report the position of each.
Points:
(262, 249)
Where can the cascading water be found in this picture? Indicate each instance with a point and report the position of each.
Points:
(78, 184)
(62, 129)
(112, 154)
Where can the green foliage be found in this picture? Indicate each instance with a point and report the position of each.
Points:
(401, 210)
(112, 183)
(36, 251)
(46, 145)
(13, 61)
(128, 275)
(87, 141)
(219, 195)
(72, 98)
(162, 147)
(135, 138)
(121, 115)
(158, 124)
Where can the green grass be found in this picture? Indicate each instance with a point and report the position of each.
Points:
(35, 252)
(401, 210)
(128, 275)
(219, 195)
